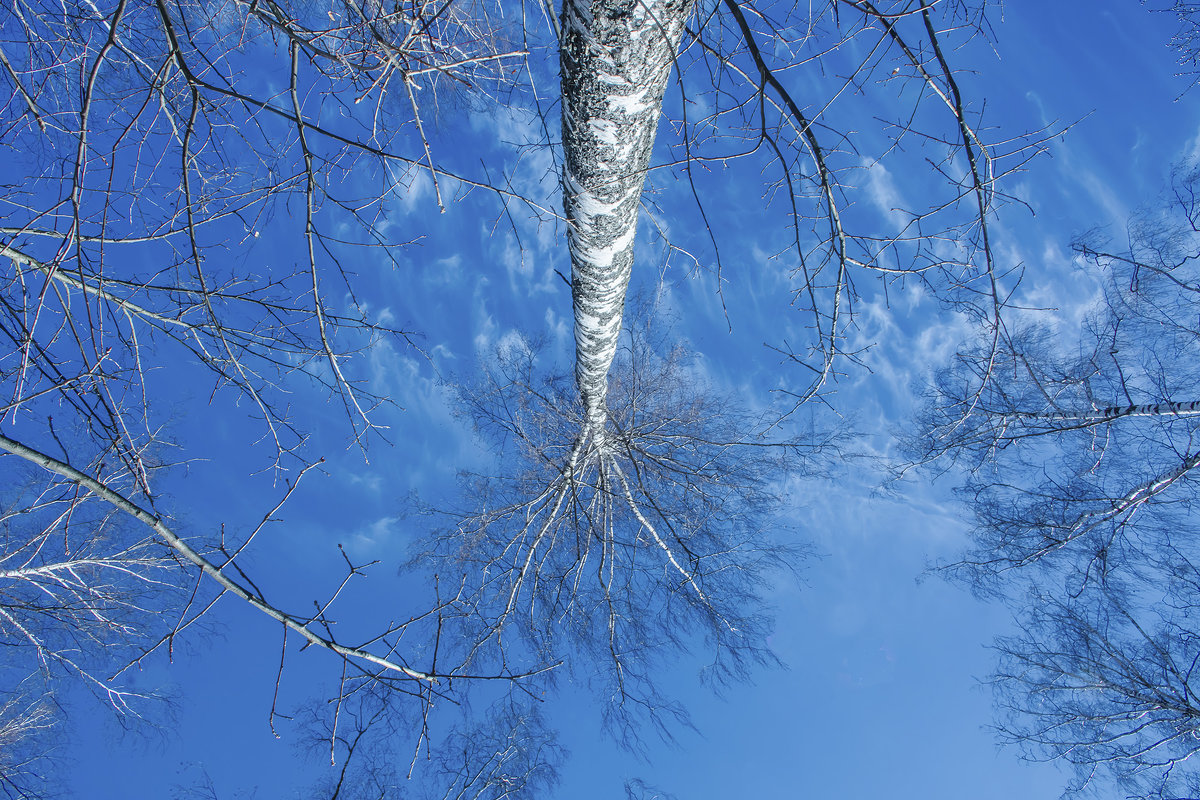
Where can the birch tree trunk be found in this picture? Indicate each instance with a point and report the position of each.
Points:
(616, 56)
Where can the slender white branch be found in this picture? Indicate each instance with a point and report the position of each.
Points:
(171, 538)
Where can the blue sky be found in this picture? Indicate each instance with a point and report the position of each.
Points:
(882, 694)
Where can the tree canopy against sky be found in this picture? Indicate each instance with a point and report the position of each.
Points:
(296, 200)
(1079, 461)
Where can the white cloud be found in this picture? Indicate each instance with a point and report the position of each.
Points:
(559, 328)
(390, 373)
(384, 317)
(444, 271)
(374, 539)
(512, 341)
(410, 186)
(518, 264)
(485, 326)
(883, 193)
(1191, 150)
(371, 481)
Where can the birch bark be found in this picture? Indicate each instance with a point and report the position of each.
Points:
(1111, 413)
(616, 56)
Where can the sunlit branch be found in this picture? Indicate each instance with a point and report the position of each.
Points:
(213, 571)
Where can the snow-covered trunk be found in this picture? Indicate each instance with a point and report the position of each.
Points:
(616, 56)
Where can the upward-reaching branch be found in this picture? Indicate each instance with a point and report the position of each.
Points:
(302, 626)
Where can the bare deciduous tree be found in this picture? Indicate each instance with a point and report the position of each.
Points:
(81, 592)
(638, 789)
(27, 720)
(825, 148)
(76, 586)
(631, 510)
(664, 537)
(152, 150)
(1106, 682)
(1084, 450)
(507, 752)
(1186, 41)
(157, 146)
(1078, 452)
